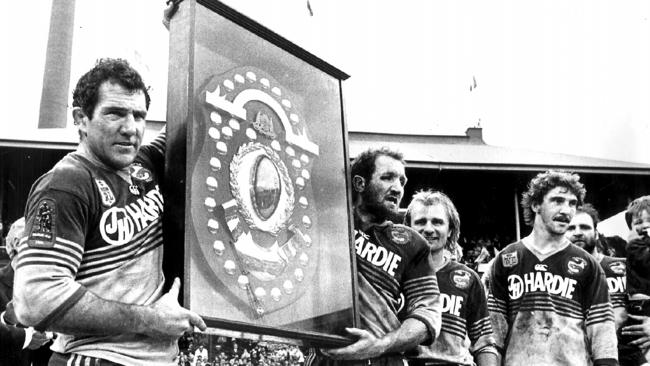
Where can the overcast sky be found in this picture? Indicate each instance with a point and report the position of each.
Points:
(562, 76)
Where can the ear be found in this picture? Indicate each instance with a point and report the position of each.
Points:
(80, 119)
(358, 183)
(535, 207)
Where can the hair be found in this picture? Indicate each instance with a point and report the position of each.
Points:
(590, 210)
(118, 71)
(635, 208)
(543, 183)
(364, 164)
(430, 198)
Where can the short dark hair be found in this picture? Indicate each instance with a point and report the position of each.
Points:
(430, 198)
(542, 183)
(590, 210)
(635, 208)
(114, 70)
(364, 164)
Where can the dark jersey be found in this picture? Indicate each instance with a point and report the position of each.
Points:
(551, 311)
(393, 259)
(614, 269)
(88, 229)
(464, 315)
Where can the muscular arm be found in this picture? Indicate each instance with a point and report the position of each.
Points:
(93, 315)
(411, 333)
(487, 359)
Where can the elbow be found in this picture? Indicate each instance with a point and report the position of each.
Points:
(26, 310)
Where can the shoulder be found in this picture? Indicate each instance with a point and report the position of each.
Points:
(462, 271)
(403, 235)
(613, 265)
(67, 175)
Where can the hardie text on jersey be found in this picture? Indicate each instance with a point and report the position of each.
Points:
(540, 282)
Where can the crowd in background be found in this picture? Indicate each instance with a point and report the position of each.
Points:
(195, 350)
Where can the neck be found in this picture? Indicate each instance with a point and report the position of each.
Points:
(438, 259)
(83, 150)
(544, 241)
(365, 218)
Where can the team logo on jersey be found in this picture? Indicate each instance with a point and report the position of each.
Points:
(541, 267)
(509, 259)
(43, 231)
(399, 235)
(618, 267)
(108, 199)
(140, 173)
(576, 265)
(460, 279)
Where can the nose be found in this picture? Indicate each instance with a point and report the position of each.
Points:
(428, 228)
(397, 188)
(128, 126)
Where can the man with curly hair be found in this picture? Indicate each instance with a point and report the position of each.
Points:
(548, 298)
(464, 304)
(391, 259)
(89, 265)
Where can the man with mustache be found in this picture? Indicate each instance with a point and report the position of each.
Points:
(464, 304)
(391, 259)
(548, 298)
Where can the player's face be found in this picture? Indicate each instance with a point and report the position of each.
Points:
(582, 232)
(432, 222)
(556, 211)
(114, 132)
(385, 189)
(641, 222)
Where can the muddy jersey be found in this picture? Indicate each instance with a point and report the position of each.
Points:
(554, 311)
(88, 229)
(464, 316)
(614, 269)
(392, 259)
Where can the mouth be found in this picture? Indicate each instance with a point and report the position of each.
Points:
(562, 219)
(392, 199)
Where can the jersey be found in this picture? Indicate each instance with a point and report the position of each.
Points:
(464, 315)
(88, 229)
(392, 259)
(614, 269)
(554, 311)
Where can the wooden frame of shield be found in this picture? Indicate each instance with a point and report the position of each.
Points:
(257, 180)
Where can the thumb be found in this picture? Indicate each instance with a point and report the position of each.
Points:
(174, 290)
(635, 317)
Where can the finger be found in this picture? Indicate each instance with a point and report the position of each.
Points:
(356, 331)
(197, 321)
(630, 328)
(635, 317)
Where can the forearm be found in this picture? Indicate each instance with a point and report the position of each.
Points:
(410, 334)
(487, 359)
(92, 315)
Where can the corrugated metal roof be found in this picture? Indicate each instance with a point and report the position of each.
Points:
(471, 152)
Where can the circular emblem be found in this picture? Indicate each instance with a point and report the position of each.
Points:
(253, 207)
(576, 265)
(618, 267)
(140, 173)
(399, 235)
(461, 278)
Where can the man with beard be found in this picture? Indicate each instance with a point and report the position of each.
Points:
(391, 259)
(582, 232)
(464, 305)
(548, 298)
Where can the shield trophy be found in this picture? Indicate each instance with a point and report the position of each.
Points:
(258, 210)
